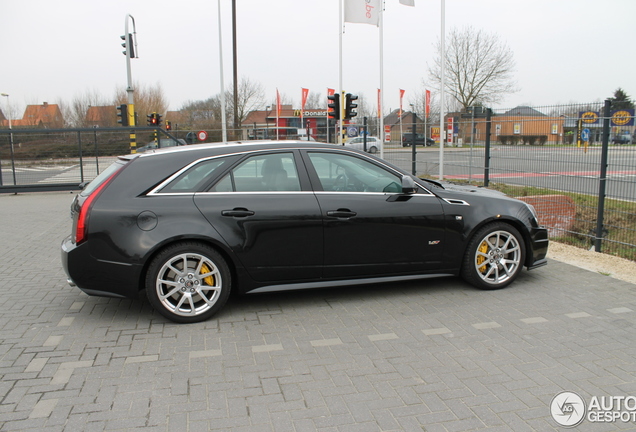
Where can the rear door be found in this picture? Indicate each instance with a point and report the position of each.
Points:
(264, 210)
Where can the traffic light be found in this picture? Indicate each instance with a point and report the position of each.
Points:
(122, 114)
(158, 118)
(152, 119)
(168, 125)
(128, 44)
(334, 106)
(350, 106)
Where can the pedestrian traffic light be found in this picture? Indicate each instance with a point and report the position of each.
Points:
(350, 106)
(128, 44)
(168, 125)
(152, 119)
(334, 106)
(122, 114)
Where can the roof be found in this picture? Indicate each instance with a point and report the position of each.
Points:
(525, 111)
(41, 115)
(394, 117)
(101, 115)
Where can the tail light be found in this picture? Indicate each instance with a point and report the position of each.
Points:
(84, 209)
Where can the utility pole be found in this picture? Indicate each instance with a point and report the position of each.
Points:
(236, 119)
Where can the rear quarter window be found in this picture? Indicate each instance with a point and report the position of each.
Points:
(103, 176)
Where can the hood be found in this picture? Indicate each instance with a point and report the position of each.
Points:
(473, 190)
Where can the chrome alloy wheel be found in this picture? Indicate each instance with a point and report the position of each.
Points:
(188, 284)
(498, 257)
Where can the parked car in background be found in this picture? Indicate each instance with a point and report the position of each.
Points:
(373, 144)
(622, 138)
(420, 139)
(161, 143)
(188, 225)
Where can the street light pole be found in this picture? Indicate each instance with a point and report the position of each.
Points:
(11, 142)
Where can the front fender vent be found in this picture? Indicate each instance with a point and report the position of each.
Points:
(456, 201)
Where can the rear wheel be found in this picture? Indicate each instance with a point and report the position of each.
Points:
(494, 257)
(188, 282)
(373, 150)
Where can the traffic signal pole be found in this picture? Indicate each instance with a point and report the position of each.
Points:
(131, 52)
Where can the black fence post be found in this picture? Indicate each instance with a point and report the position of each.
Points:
(79, 146)
(487, 147)
(96, 150)
(598, 234)
(364, 135)
(414, 145)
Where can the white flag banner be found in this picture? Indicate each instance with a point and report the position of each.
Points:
(408, 2)
(362, 11)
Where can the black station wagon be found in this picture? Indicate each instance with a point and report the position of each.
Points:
(190, 224)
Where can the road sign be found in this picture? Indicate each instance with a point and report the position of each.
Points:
(202, 135)
(585, 134)
(352, 131)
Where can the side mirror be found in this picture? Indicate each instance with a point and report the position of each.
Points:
(408, 185)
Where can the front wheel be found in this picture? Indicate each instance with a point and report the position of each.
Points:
(494, 257)
(373, 150)
(188, 282)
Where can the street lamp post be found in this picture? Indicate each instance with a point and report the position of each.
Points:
(10, 142)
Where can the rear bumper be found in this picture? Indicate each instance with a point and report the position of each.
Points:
(97, 277)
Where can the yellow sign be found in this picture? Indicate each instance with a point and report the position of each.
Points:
(589, 117)
(621, 118)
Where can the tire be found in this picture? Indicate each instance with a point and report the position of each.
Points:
(373, 150)
(494, 257)
(188, 282)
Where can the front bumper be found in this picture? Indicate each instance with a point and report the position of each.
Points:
(538, 249)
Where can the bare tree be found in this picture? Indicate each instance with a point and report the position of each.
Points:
(315, 101)
(478, 67)
(75, 113)
(202, 114)
(251, 96)
(148, 99)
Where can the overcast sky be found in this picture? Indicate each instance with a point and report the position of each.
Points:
(565, 50)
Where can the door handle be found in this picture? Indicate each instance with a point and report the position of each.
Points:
(237, 212)
(341, 213)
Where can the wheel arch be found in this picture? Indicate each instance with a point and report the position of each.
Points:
(515, 223)
(207, 241)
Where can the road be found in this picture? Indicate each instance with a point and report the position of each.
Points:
(567, 169)
(435, 355)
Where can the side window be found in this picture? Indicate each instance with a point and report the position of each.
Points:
(194, 178)
(260, 173)
(344, 173)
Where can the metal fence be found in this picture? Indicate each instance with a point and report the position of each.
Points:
(576, 164)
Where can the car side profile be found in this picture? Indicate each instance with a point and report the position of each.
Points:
(190, 224)
(420, 139)
(373, 144)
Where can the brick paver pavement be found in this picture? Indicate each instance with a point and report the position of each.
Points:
(433, 355)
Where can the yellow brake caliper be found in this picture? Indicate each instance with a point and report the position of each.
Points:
(209, 279)
(483, 248)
